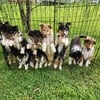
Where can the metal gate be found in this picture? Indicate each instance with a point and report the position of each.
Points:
(28, 14)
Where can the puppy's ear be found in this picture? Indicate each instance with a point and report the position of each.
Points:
(41, 25)
(30, 32)
(15, 28)
(68, 23)
(86, 40)
(61, 24)
(50, 26)
(7, 23)
(94, 41)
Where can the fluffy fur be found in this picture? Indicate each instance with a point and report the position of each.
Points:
(35, 43)
(62, 43)
(75, 53)
(88, 51)
(48, 42)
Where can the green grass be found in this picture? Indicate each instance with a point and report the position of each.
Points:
(73, 82)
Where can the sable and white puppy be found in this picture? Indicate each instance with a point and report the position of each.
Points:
(48, 42)
(75, 53)
(88, 51)
(35, 43)
(62, 43)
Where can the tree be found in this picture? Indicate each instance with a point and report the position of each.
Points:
(25, 17)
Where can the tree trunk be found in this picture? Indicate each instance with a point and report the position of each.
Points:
(25, 18)
(28, 14)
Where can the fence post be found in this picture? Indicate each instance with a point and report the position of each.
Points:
(22, 14)
(54, 19)
(25, 17)
(28, 4)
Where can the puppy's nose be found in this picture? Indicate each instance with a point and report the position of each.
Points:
(88, 49)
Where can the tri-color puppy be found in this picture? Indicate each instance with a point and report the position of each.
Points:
(25, 57)
(14, 45)
(35, 43)
(7, 40)
(48, 42)
(75, 53)
(62, 43)
(88, 51)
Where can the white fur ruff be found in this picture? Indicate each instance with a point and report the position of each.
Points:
(76, 48)
(22, 50)
(44, 47)
(87, 53)
(53, 47)
(65, 41)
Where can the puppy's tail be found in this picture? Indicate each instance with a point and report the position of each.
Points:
(82, 36)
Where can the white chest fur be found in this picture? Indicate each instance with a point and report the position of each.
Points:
(60, 47)
(87, 53)
(76, 48)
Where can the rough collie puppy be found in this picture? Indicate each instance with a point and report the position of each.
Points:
(25, 56)
(75, 53)
(88, 51)
(35, 43)
(62, 43)
(7, 40)
(48, 42)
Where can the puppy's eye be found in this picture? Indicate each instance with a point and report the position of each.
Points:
(43, 30)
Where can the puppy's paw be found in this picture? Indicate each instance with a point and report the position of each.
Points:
(26, 67)
(74, 62)
(20, 66)
(36, 66)
(31, 64)
(49, 64)
(60, 67)
(55, 66)
(86, 65)
(40, 65)
(45, 65)
(70, 62)
(80, 64)
(9, 62)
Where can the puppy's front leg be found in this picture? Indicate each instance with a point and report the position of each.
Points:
(26, 66)
(9, 59)
(81, 63)
(60, 65)
(31, 64)
(87, 63)
(70, 60)
(56, 63)
(37, 64)
(41, 62)
(20, 65)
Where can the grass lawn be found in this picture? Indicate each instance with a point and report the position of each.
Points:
(73, 82)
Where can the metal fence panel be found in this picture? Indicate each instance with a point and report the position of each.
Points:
(83, 14)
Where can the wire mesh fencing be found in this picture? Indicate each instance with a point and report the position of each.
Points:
(28, 14)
